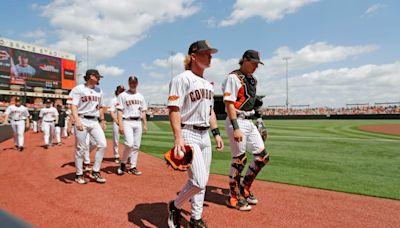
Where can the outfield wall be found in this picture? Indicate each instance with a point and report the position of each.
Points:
(6, 132)
(309, 117)
(337, 117)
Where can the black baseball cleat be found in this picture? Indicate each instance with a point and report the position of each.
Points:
(46, 147)
(97, 177)
(134, 171)
(120, 171)
(174, 216)
(21, 148)
(248, 195)
(197, 223)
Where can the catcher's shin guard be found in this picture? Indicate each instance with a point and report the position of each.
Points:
(237, 167)
(259, 161)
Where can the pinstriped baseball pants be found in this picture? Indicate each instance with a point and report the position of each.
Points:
(199, 171)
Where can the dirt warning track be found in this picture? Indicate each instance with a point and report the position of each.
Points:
(37, 185)
(390, 129)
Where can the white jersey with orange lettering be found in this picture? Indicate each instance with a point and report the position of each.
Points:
(16, 113)
(194, 96)
(132, 106)
(17, 117)
(88, 101)
(48, 116)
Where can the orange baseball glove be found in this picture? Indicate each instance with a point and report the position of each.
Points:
(182, 164)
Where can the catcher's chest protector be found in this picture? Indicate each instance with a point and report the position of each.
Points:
(246, 96)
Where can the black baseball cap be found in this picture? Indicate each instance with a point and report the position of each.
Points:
(133, 78)
(48, 101)
(93, 71)
(252, 55)
(17, 99)
(120, 87)
(201, 45)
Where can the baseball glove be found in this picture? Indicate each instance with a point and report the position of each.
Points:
(262, 130)
(179, 164)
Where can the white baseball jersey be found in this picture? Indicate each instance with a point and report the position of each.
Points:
(48, 114)
(230, 87)
(113, 105)
(88, 101)
(17, 113)
(194, 96)
(131, 104)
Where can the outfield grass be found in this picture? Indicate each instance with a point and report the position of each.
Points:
(326, 154)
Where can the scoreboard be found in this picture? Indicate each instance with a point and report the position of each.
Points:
(35, 66)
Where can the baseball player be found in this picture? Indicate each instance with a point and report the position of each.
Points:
(190, 104)
(60, 125)
(67, 118)
(49, 117)
(132, 108)
(35, 119)
(114, 116)
(239, 95)
(86, 104)
(19, 118)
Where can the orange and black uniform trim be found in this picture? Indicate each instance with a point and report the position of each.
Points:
(246, 97)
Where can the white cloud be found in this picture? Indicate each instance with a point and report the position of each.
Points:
(114, 25)
(328, 87)
(314, 54)
(211, 22)
(109, 70)
(155, 92)
(37, 34)
(157, 75)
(269, 10)
(374, 8)
(172, 65)
(337, 87)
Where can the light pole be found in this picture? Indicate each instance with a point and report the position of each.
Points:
(172, 53)
(78, 69)
(287, 82)
(87, 38)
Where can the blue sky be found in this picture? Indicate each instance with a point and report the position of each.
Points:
(340, 51)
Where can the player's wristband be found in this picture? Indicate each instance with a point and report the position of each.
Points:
(215, 132)
(235, 124)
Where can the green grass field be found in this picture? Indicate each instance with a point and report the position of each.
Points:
(326, 154)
